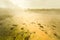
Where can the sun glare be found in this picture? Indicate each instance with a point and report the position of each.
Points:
(20, 3)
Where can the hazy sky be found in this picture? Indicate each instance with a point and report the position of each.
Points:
(33, 3)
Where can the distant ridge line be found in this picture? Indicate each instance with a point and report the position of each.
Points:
(43, 9)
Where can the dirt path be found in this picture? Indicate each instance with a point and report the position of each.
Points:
(45, 26)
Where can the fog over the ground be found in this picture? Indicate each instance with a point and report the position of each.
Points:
(42, 25)
(31, 24)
